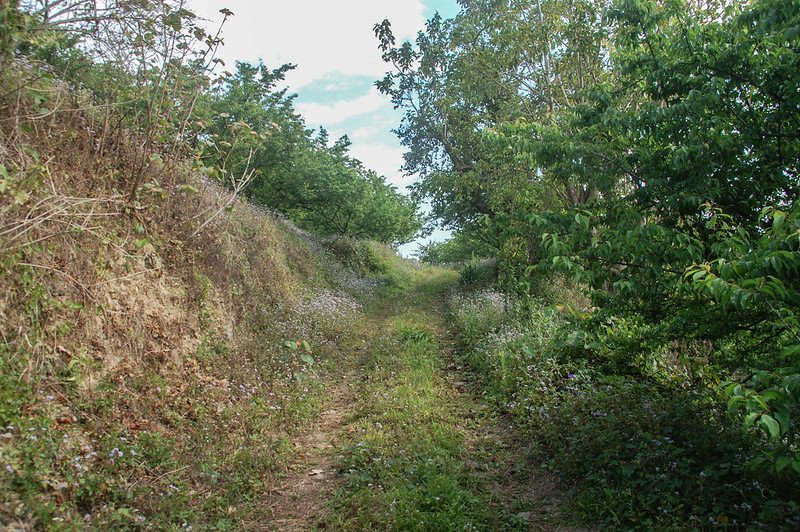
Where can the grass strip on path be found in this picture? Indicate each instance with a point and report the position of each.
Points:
(404, 464)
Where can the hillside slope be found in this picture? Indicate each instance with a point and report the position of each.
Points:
(158, 352)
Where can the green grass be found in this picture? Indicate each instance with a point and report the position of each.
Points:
(405, 464)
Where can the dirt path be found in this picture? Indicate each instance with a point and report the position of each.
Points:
(299, 501)
(496, 455)
(493, 456)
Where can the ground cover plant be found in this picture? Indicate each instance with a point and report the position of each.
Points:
(649, 444)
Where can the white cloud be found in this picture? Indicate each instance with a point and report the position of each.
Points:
(331, 114)
(385, 160)
(365, 134)
(320, 36)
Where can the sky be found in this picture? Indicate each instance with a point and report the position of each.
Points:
(338, 61)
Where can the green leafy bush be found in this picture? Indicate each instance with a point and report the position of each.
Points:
(479, 273)
(652, 455)
(646, 444)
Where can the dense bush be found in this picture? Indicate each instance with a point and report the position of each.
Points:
(647, 445)
(652, 455)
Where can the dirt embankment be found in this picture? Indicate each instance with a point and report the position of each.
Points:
(147, 369)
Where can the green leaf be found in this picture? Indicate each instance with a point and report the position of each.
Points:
(783, 420)
(187, 189)
(791, 352)
(771, 425)
(749, 419)
(308, 359)
(124, 512)
(782, 462)
(33, 153)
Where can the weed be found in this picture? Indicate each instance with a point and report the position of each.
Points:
(645, 449)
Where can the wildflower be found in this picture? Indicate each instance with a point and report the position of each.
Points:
(115, 453)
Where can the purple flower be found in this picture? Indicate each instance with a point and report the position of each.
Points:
(570, 375)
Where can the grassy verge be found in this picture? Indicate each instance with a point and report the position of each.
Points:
(645, 448)
(407, 450)
(403, 465)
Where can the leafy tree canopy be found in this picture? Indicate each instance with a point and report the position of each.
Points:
(647, 148)
(251, 125)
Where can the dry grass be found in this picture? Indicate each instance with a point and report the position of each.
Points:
(152, 327)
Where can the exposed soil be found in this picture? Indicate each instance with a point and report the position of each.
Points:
(299, 500)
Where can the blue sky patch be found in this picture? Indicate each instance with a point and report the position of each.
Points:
(336, 87)
(446, 8)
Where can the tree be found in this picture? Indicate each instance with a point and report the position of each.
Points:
(693, 229)
(251, 124)
(496, 62)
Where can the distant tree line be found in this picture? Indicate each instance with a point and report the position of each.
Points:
(154, 68)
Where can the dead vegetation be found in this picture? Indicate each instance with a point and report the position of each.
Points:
(146, 378)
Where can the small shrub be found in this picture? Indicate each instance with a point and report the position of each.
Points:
(479, 273)
(361, 256)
